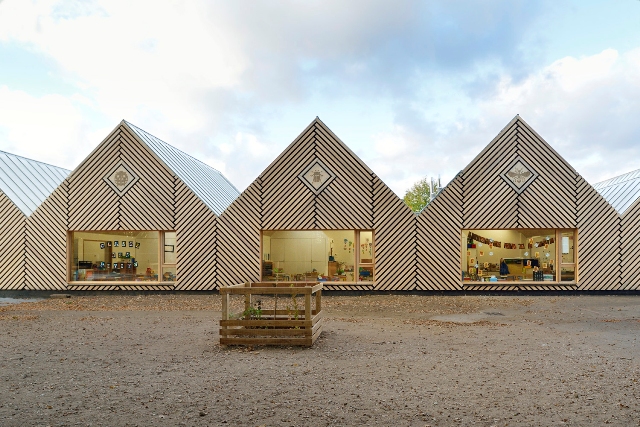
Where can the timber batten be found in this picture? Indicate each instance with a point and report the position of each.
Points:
(259, 324)
(216, 234)
(12, 240)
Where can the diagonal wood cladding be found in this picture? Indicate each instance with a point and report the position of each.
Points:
(93, 205)
(238, 239)
(196, 225)
(12, 242)
(395, 238)
(346, 203)
(550, 201)
(46, 248)
(479, 198)
(153, 194)
(488, 201)
(287, 204)
(438, 243)
(354, 200)
(599, 233)
(148, 205)
(630, 247)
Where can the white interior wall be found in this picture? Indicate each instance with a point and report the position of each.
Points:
(298, 252)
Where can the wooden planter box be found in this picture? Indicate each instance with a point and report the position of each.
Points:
(272, 326)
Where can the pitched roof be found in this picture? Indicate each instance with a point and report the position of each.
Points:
(620, 191)
(207, 183)
(27, 183)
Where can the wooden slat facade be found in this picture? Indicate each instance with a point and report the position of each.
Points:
(395, 231)
(630, 248)
(558, 198)
(439, 227)
(196, 224)
(239, 257)
(84, 202)
(46, 248)
(599, 240)
(12, 242)
(411, 252)
(355, 200)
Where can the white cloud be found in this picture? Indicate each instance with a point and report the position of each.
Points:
(212, 78)
(37, 127)
(584, 107)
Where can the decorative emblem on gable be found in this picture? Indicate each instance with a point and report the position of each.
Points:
(519, 175)
(121, 178)
(317, 176)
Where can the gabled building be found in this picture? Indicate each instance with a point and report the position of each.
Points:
(24, 185)
(139, 214)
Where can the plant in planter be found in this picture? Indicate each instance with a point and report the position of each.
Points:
(253, 313)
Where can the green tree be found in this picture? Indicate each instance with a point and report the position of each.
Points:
(418, 195)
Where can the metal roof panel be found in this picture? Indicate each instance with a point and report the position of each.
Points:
(213, 188)
(28, 182)
(620, 191)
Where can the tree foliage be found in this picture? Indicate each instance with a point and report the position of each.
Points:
(417, 196)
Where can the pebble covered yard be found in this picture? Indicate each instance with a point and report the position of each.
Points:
(401, 360)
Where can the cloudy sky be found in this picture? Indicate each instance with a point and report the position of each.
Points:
(415, 88)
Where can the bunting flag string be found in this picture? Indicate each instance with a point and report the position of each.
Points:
(495, 244)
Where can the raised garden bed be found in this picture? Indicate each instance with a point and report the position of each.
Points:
(272, 314)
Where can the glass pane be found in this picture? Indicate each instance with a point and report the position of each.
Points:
(568, 274)
(114, 256)
(168, 274)
(169, 247)
(308, 255)
(366, 247)
(508, 255)
(365, 273)
(567, 247)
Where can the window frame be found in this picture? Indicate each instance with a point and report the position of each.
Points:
(160, 239)
(357, 258)
(557, 261)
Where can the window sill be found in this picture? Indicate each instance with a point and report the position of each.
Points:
(132, 283)
(529, 283)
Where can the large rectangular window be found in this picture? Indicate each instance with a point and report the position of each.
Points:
(326, 255)
(123, 256)
(519, 255)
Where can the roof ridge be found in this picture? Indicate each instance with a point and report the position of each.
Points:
(617, 176)
(173, 146)
(36, 161)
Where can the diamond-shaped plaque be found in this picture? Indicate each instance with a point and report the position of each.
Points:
(121, 178)
(317, 176)
(519, 175)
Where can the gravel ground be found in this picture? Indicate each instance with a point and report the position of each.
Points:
(381, 360)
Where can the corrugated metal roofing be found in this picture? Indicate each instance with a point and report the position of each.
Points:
(28, 182)
(206, 182)
(620, 191)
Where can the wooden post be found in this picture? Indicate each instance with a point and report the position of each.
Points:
(225, 306)
(318, 301)
(307, 306)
